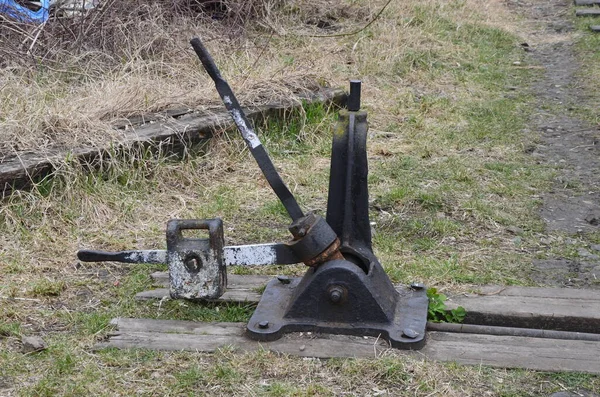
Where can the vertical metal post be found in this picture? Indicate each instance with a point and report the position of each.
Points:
(348, 201)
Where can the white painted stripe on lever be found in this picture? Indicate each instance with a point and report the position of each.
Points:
(249, 136)
(248, 255)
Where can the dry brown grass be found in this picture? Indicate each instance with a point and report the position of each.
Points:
(274, 57)
(81, 74)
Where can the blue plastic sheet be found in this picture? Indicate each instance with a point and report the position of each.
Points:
(23, 14)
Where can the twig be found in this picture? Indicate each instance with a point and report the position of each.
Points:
(375, 345)
(19, 299)
(492, 293)
(262, 51)
(376, 17)
(39, 31)
(18, 31)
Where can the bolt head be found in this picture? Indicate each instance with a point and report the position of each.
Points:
(263, 324)
(337, 293)
(284, 279)
(335, 296)
(193, 263)
(417, 286)
(301, 226)
(409, 333)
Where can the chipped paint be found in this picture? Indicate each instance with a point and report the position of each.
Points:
(147, 256)
(248, 255)
(196, 268)
(249, 135)
(207, 283)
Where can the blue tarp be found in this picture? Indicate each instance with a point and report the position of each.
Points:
(24, 14)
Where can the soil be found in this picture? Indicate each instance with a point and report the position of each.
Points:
(572, 207)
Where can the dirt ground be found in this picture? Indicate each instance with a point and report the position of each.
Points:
(569, 143)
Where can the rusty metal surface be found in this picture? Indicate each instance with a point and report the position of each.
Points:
(313, 237)
(330, 253)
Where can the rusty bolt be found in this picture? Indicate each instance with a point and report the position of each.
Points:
(301, 226)
(337, 293)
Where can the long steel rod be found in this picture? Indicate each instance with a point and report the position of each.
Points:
(511, 331)
(245, 128)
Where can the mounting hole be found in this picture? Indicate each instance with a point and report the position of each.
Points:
(193, 263)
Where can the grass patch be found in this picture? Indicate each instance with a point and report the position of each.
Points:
(46, 287)
(586, 44)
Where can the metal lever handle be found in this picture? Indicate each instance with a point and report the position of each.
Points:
(145, 256)
(236, 255)
(241, 121)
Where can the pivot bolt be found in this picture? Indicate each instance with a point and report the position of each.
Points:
(263, 324)
(301, 226)
(337, 293)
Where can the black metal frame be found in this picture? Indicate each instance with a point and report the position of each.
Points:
(352, 295)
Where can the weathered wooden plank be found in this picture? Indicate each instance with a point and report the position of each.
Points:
(514, 352)
(21, 170)
(540, 308)
(239, 288)
(177, 326)
(595, 28)
(587, 12)
(565, 309)
(562, 293)
(586, 2)
(306, 346)
(497, 351)
(234, 281)
(231, 295)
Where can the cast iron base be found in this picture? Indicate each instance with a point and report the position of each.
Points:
(303, 305)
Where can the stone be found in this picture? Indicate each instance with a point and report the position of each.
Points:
(33, 344)
(583, 253)
(593, 218)
(514, 230)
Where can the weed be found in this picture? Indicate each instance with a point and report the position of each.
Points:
(190, 378)
(10, 329)
(46, 287)
(438, 312)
